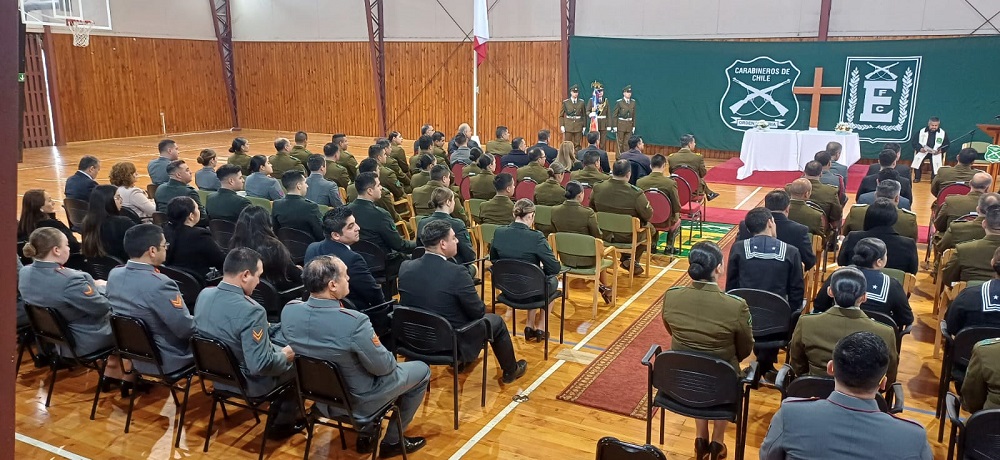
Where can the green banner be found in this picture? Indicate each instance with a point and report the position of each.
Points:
(716, 90)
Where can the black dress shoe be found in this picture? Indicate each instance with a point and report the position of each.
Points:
(701, 449)
(510, 377)
(637, 269)
(366, 444)
(541, 335)
(411, 444)
(284, 431)
(606, 294)
(712, 196)
(529, 334)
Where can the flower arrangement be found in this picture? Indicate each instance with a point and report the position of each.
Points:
(843, 127)
(762, 125)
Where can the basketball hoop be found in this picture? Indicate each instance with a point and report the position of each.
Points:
(81, 31)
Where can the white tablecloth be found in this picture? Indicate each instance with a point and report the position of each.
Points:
(783, 150)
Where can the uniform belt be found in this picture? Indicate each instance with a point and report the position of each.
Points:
(573, 116)
(601, 117)
(624, 119)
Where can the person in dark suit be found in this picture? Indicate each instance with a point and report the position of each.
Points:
(517, 155)
(443, 202)
(977, 305)
(904, 171)
(884, 294)
(887, 161)
(294, 211)
(104, 227)
(593, 138)
(38, 210)
(434, 284)
(342, 231)
(543, 143)
(190, 248)
(636, 157)
(80, 184)
(791, 232)
(227, 204)
(370, 371)
(879, 220)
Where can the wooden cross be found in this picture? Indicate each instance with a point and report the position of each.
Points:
(816, 91)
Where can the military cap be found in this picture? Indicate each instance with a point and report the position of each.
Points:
(627, 89)
(575, 88)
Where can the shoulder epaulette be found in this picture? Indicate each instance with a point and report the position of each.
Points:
(741, 299)
(987, 342)
(676, 287)
(858, 204)
(907, 211)
(620, 100)
(347, 312)
(796, 400)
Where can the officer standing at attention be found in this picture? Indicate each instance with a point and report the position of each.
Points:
(597, 114)
(227, 313)
(848, 423)
(617, 196)
(282, 160)
(701, 318)
(623, 118)
(347, 339)
(226, 204)
(572, 115)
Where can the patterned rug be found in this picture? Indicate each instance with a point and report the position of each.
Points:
(710, 231)
(616, 381)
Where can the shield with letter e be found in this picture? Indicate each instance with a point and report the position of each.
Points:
(760, 89)
(879, 97)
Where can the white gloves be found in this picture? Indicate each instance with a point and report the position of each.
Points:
(614, 130)
(562, 129)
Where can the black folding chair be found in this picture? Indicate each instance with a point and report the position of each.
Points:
(159, 218)
(296, 241)
(810, 386)
(698, 386)
(189, 285)
(215, 362)
(51, 327)
(888, 321)
(222, 231)
(24, 339)
(76, 210)
(523, 286)
(100, 267)
(376, 258)
(271, 299)
(320, 381)
(128, 212)
(610, 448)
(429, 337)
(978, 437)
(133, 341)
(773, 319)
(954, 361)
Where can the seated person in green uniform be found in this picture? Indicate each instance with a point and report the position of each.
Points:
(551, 192)
(346, 159)
(294, 210)
(283, 161)
(226, 204)
(534, 169)
(440, 178)
(421, 165)
(259, 184)
(481, 183)
(299, 150)
(518, 241)
(702, 318)
(499, 209)
(402, 177)
(377, 226)
(972, 259)
(397, 153)
(573, 217)
(240, 155)
(501, 145)
(442, 201)
(424, 144)
(618, 196)
(590, 174)
(981, 389)
(335, 172)
(387, 177)
(180, 176)
(473, 166)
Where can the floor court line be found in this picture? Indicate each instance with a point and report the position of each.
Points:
(548, 373)
(48, 447)
(748, 198)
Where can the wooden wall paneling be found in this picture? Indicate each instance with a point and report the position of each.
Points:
(428, 82)
(191, 87)
(520, 88)
(309, 86)
(37, 130)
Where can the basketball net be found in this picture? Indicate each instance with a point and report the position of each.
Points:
(81, 31)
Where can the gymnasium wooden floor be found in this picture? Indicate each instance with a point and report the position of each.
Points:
(542, 427)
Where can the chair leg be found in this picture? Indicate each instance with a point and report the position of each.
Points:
(20, 354)
(52, 383)
(663, 422)
(649, 419)
(562, 314)
(595, 294)
(546, 312)
(268, 421)
(454, 392)
(399, 425)
(100, 383)
(183, 409)
(486, 360)
(309, 438)
(131, 406)
(225, 414)
(211, 421)
(951, 442)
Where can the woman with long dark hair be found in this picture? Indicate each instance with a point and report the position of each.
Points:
(704, 319)
(104, 227)
(189, 247)
(39, 210)
(254, 231)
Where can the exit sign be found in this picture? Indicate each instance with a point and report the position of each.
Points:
(20, 77)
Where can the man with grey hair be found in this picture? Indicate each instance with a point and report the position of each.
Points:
(283, 160)
(886, 189)
(348, 340)
(906, 224)
(800, 190)
(467, 131)
(834, 148)
(956, 206)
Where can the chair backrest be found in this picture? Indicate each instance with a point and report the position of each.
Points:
(883, 318)
(543, 218)
(696, 380)
(456, 172)
(486, 232)
(770, 312)
(610, 448)
(262, 202)
(151, 190)
(374, 256)
(978, 146)
(421, 332)
(574, 244)
(321, 381)
(525, 189)
(128, 212)
(474, 205)
(215, 361)
(133, 341)
(76, 210)
(895, 274)
(684, 190)
(689, 175)
(296, 241)
(465, 187)
(189, 286)
(203, 195)
(982, 438)
(517, 279)
(587, 191)
(159, 218)
(961, 350)
(267, 296)
(957, 188)
(222, 231)
(511, 169)
(49, 325)
(566, 178)
(100, 267)
(809, 386)
(662, 211)
(615, 223)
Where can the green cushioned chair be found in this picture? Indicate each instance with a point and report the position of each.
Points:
(262, 202)
(577, 248)
(610, 222)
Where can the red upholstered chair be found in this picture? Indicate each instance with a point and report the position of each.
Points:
(692, 178)
(957, 188)
(465, 186)
(525, 189)
(496, 163)
(690, 209)
(662, 212)
(587, 191)
(456, 172)
(566, 178)
(510, 169)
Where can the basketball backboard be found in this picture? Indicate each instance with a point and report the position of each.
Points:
(57, 12)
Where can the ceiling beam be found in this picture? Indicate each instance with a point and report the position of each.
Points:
(824, 19)
(567, 29)
(376, 48)
(223, 21)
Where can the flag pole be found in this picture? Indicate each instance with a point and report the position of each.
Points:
(475, 94)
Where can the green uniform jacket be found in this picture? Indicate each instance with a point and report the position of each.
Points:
(415, 158)
(300, 153)
(385, 202)
(401, 176)
(173, 189)
(981, 389)
(589, 175)
(817, 334)
(397, 154)
(799, 212)
(960, 232)
(702, 318)
(517, 241)
(685, 157)
(420, 178)
(294, 211)
(282, 162)
(226, 205)
(440, 155)
(620, 197)
(466, 253)
(422, 197)
(828, 198)
(972, 260)
(498, 147)
(624, 110)
(498, 210)
(481, 185)
(550, 193)
(389, 180)
(242, 160)
(955, 206)
(951, 174)
(337, 173)
(666, 185)
(349, 163)
(573, 115)
(573, 217)
(471, 169)
(906, 223)
(378, 228)
(535, 171)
